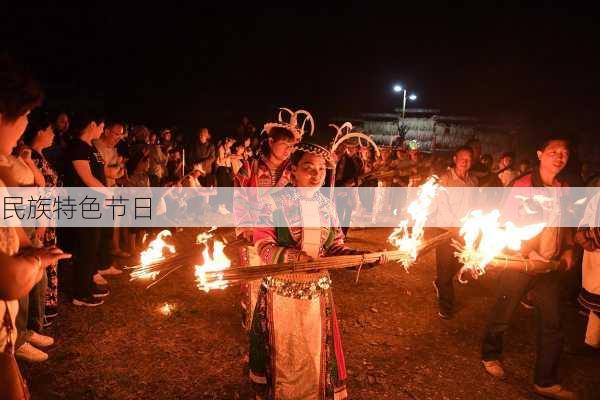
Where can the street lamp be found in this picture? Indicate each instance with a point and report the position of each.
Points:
(412, 97)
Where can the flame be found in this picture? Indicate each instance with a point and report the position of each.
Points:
(418, 210)
(485, 239)
(153, 254)
(218, 262)
(203, 237)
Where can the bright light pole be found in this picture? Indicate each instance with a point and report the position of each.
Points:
(412, 97)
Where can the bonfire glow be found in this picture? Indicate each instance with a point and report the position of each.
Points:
(218, 262)
(418, 210)
(485, 239)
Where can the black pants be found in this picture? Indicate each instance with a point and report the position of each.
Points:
(84, 243)
(366, 192)
(105, 247)
(447, 266)
(344, 210)
(512, 286)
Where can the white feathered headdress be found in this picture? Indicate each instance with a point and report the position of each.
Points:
(345, 132)
(293, 123)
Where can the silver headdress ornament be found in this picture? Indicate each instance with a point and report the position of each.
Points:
(293, 123)
(314, 148)
(344, 133)
(341, 130)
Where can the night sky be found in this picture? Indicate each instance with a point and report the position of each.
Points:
(166, 65)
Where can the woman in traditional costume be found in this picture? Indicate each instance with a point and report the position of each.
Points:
(295, 345)
(271, 169)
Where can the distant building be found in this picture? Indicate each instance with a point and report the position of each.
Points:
(436, 132)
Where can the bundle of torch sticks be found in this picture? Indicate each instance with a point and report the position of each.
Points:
(162, 267)
(501, 261)
(234, 275)
(524, 264)
(169, 264)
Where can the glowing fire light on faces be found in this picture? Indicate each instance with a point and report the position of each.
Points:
(153, 254)
(218, 262)
(418, 210)
(485, 239)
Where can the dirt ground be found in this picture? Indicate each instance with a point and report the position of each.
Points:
(395, 344)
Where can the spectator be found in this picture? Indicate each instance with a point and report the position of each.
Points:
(248, 150)
(245, 129)
(553, 243)
(55, 153)
(477, 169)
(506, 173)
(524, 167)
(84, 167)
(19, 94)
(138, 166)
(174, 166)
(448, 208)
(166, 141)
(158, 162)
(487, 178)
(113, 171)
(106, 145)
(224, 175)
(40, 136)
(203, 152)
(238, 156)
(588, 237)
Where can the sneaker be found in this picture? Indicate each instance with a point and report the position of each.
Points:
(40, 340)
(527, 304)
(437, 290)
(445, 314)
(100, 292)
(554, 392)
(99, 280)
(527, 301)
(110, 271)
(30, 354)
(89, 301)
(494, 368)
(50, 312)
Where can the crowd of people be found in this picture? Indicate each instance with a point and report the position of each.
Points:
(84, 150)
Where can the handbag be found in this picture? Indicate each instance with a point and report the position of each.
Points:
(12, 384)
